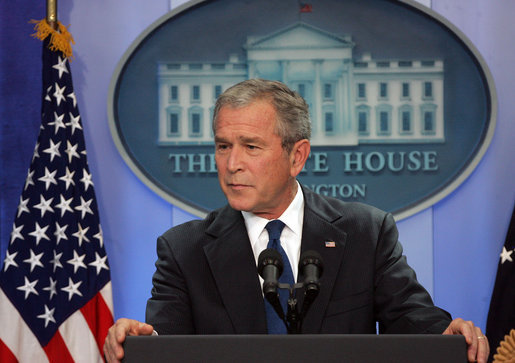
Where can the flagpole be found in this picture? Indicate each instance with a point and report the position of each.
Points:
(51, 13)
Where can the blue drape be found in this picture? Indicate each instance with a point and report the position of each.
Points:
(20, 104)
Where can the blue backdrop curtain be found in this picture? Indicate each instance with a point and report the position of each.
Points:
(20, 104)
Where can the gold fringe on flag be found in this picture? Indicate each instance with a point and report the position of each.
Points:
(60, 39)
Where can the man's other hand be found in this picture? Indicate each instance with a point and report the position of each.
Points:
(477, 344)
(113, 349)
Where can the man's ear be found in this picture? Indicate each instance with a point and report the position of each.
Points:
(298, 156)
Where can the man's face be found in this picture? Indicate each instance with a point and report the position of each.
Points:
(255, 172)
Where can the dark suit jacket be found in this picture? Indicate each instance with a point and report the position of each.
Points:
(206, 280)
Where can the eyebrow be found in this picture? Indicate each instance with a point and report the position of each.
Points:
(250, 140)
(243, 139)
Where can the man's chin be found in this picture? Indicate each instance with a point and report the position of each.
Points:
(239, 205)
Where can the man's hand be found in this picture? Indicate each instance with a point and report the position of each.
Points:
(477, 343)
(113, 350)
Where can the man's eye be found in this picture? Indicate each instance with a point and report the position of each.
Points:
(221, 147)
(252, 147)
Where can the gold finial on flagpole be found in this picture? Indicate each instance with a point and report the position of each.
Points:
(51, 13)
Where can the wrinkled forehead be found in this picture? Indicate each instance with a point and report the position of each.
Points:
(267, 110)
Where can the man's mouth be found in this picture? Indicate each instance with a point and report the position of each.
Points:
(237, 186)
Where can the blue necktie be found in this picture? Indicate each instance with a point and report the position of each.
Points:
(275, 324)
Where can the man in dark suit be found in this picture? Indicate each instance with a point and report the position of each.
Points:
(206, 280)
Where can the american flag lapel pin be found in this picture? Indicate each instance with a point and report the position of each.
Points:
(330, 244)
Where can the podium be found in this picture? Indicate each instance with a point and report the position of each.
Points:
(296, 348)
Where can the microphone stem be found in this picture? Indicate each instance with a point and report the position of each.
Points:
(292, 315)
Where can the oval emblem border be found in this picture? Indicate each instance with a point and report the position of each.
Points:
(400, 214)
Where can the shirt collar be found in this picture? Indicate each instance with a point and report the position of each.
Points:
(292, 217)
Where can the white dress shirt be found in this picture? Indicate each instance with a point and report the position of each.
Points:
(291, 235)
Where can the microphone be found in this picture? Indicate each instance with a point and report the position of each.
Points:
(311, 267)
(270, 268)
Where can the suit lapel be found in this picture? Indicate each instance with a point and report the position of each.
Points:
(232, 264)
(318, 228)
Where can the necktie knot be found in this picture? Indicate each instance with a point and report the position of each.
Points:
(274, 229)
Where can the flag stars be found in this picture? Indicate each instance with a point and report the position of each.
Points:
(99, 263)
(29, 180)
(16, 233)
(28, 288)
(72, 288)
(58, 94)
(58, 122)
(53, 150)
(84, 207)
(34, 260)
(48, 315)
(86, 179)
(68, 178)
(74, 121)
(60, 233)
(48, 178)
(56, 261)
(74, 99)
(36, 152)
(22, 207)
(9, 260)
(71, 150)
(64, 205)
(39, 233)
(61, 66)
(47, 96)
(51, 288)
(100, 236)
(81, 234)
(77, 261)
(44, 205)
(506, 255)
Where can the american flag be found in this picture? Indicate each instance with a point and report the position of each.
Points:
(501, 317)
(55, 288)
(305, 7)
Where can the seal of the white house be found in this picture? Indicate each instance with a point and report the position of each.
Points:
(403, 106)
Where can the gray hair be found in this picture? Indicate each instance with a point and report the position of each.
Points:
(293, 122)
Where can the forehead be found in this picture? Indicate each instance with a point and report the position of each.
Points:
(257, 114)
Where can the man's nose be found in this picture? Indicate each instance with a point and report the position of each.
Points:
(235, 159)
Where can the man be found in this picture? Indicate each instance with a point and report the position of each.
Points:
(206, 280)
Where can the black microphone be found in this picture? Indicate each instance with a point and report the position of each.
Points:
(311, 267)
(270, 268)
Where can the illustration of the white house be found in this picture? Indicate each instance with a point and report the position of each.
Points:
(352, 101)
